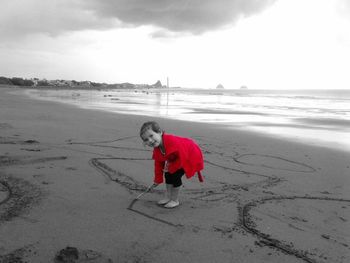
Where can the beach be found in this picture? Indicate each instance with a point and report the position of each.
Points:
(68, 176)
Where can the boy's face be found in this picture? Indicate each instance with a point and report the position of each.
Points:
(152, 138)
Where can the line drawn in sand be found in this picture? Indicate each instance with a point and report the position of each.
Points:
(22, 160)
(130, 183)
(214, 194)
(264, 160)
(223, 161)
(17, 194)
(246, 220)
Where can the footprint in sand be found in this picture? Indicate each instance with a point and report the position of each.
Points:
(20, 195)
(75, 255)
(4, 192)
(4, 125)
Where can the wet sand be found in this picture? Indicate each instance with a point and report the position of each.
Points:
(68, 177)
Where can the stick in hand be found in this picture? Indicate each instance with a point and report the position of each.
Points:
(146, 191)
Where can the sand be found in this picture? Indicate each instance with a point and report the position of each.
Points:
(68, 176)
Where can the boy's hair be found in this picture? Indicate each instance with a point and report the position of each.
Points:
(154, 126)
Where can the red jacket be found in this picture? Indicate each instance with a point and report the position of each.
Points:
(179, 153)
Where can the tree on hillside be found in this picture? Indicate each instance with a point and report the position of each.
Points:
(28, 82)
(17, 81)
(95, 84)
(6, 81)
(43, 82)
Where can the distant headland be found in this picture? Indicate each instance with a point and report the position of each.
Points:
(220, 86)
(73, 84)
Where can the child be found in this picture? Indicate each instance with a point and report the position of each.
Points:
(173, 155)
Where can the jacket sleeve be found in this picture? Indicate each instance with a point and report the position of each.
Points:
(158, 172)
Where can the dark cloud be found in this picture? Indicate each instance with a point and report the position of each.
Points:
(192, 16)
(19, 18)
(53, 17)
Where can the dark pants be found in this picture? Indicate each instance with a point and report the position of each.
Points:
(175, 178)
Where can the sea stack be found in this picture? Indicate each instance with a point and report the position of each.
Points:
(158, 84)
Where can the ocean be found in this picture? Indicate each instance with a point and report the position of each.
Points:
(316, 117)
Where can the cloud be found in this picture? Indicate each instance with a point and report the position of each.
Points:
(191, 16)
(343, 7)
(19, 18)
(54, 17)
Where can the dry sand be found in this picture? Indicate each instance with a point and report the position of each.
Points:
(68, 175)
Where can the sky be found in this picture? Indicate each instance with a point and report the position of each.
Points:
(261, 44)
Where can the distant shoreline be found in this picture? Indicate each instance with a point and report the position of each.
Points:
(107, 87)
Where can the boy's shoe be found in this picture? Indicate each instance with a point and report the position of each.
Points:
(172, 204)
(163, 201)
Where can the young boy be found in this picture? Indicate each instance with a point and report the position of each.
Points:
(173, 155)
